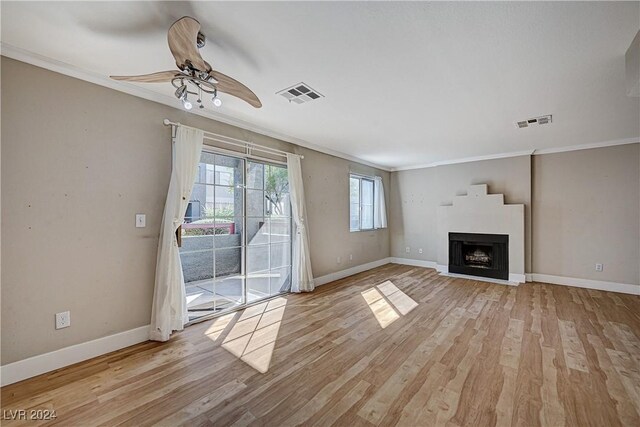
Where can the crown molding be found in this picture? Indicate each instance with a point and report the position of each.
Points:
(466, 160)
(603, 144)
(534, 152)
(60, 67)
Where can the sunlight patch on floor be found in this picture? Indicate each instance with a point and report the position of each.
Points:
(253, 338)
(388, 303)
(401, 301)
(218, 325)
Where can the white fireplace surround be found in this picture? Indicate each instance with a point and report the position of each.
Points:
(480, 212)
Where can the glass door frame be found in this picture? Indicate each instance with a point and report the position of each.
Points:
(245, 158)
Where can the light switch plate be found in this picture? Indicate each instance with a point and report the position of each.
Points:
(141, 220)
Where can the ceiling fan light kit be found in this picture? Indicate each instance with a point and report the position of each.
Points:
(182, 82)
(195, 76)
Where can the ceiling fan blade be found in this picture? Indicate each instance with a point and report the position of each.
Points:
(183, 37)
(233, 87)
(159, 77)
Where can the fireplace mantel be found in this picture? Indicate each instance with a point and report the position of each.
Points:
(480, 212)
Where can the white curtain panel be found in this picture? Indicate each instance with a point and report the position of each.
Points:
(302, 277)
(380, 208)
(169, 310)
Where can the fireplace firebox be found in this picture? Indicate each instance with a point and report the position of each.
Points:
(475, 254)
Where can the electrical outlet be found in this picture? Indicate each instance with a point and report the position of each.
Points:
(141, 220)
(420, 250)
(350, 257)
(599, 267)
(407, 249)
(338, 260)
(63, 320)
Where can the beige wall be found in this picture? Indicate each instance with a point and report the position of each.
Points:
(586, 211)
(582, 208)
(416, 194)
(326, 186)
(78, 162)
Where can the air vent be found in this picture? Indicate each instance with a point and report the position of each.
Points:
(300, 93)
(542, 120)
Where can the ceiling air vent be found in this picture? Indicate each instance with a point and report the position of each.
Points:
(300, 93)
(542, 120)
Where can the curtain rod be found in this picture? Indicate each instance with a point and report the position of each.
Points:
(234, 141)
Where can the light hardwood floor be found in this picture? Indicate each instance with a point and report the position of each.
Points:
(396, 345)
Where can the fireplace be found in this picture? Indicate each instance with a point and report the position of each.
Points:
(485, 255)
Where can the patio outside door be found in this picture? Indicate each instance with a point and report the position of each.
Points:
(268, 231)
(236, 236)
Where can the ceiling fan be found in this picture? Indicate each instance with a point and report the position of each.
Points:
(195, 76)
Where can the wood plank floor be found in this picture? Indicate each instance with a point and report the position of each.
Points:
(396, 345)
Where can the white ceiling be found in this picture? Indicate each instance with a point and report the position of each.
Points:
(404, 83)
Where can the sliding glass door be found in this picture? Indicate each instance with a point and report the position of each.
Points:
(225, 267)
(268, 231)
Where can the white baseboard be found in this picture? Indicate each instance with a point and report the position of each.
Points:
(517, 278)
(600, 285)
(43, 363)
(322, 280)
(414, 262)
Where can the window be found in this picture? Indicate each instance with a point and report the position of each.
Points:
(361, 197)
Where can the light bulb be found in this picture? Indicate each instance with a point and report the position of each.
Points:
(217, 101)
(186, 104)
